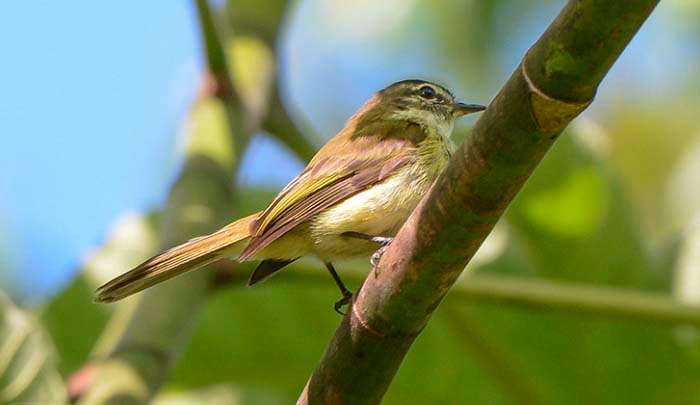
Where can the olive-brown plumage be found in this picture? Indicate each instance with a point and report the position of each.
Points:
(365, 181)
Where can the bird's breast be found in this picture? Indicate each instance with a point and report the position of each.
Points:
(379, 210)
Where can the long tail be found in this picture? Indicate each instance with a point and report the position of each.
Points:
(191, 255)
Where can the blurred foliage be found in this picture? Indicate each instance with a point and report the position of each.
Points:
(131, 240)
(74, 325)
(27, 369)
(585, 361)
(646, 142)
(577, 187)
(606, 206)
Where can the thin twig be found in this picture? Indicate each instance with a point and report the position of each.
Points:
(524, 293)
(279, 124)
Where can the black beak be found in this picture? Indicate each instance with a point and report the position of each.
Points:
(461, 109)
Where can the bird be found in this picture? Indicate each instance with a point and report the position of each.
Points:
(349, 201)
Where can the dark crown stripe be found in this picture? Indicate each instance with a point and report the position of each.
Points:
(416, 83)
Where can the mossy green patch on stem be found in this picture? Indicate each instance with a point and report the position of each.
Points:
(559, 61)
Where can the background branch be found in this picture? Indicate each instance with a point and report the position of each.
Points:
(151, 336)
(215, 55)
(162, 322)
(519, 292)
(556, 80)
(604, 302)
(279, 124)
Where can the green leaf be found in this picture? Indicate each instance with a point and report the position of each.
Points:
(27, 370)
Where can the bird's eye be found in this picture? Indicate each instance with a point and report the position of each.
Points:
(427, 92)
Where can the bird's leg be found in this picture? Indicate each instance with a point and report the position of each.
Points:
(347, 295)
(383, 242)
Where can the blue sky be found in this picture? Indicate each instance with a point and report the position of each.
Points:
(93, 94)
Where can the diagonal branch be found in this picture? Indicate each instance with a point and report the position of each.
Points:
(556, 80)
(219, 83)
(276, 121)
(215, 55)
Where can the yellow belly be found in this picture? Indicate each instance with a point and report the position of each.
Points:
(378, 211)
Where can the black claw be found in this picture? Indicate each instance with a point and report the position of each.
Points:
(347, 298)
(347, 295)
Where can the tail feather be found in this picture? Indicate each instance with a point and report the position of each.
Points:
(191, 255)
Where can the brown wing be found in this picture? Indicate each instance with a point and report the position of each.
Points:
(343, 167)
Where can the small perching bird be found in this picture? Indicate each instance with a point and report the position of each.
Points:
(351, 198)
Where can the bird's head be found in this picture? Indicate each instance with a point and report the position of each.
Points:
(418, 101)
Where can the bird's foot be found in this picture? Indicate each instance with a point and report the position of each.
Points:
(347, 299)
(376, 257)
(382, 241)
